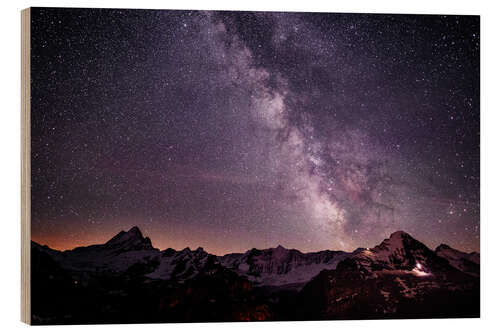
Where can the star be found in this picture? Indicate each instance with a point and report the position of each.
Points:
(319, 131)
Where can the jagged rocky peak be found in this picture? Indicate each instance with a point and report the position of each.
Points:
(446, 250)
(199, 253)
(399, 234)
(280, 249)
(132, 237)
(397, 240)
(457, 258)
(443, 247)
(399, 251)
(186, 250)
(135, 231)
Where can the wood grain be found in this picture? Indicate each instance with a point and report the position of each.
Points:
(25, 166)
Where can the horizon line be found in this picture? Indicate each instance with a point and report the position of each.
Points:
(253, 248)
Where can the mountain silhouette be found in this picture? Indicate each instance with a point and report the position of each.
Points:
(126, 279)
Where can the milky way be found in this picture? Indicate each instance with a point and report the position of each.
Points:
(233, 130)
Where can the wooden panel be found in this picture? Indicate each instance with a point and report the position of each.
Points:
(25, 166)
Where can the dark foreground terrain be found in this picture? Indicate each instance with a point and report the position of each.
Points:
(126, 280)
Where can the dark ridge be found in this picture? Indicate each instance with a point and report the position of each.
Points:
(135, 230)
(443, 247)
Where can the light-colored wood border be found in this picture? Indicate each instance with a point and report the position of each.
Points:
(25, 166)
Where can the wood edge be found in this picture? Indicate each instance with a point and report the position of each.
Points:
(25, 166)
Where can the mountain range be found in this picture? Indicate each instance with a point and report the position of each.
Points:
(127, 280)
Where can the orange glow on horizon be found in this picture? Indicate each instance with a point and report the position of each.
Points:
(177, 239)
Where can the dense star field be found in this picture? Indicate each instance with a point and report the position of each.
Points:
(235, 130)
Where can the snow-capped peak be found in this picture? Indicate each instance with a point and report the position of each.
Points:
(447, 252)
(399, 234)
(400, 251)
(466, 262)
(279, 266)
(398, 240)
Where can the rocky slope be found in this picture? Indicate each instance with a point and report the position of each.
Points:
(281, 267)
(466, 262)
(127, 280)
(400, 278)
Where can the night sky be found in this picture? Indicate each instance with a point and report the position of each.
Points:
(235, 130)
